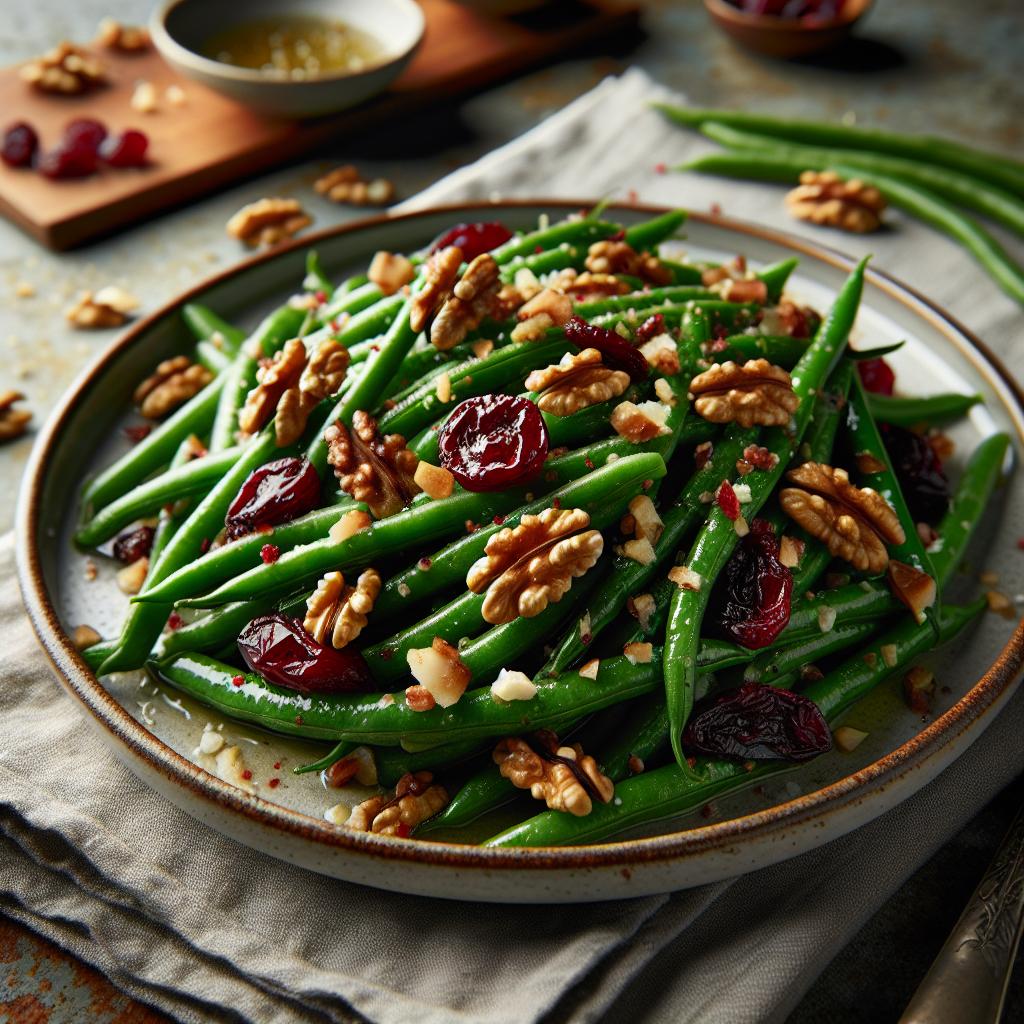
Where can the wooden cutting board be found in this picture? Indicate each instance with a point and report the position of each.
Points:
(210, 141)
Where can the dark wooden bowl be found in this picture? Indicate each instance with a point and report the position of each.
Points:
(785, 37)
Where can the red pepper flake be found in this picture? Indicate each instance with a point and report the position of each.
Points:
(647, 485)
(273, 783)
(205, 546)
(557, 503)
(320, 296)
(247, 775)
(718, 345)
(265, 528)
(471, 527)
(138, 433)
(691, 761)
(619, 236)
(498, 520)
(716, 209)
(386, 653)
(702, 454)
(298, 719)
(538, 249)
(237, 680)
(650, 328)
(720, 332)
(588, 462)
(424, 564)
(175, 621)
(632, 197)
(270, 553)
(335, 326)
(1020, 543)
(402, 830)
(375, 348)
(727, 500)
(660, 168)
(277, 766)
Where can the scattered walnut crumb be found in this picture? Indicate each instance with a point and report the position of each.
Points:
(90, 572)
(84, 637)
(268, 221)
(641, 422)
(636, 765)
(349, 525)
(126, 38)
(590, 669)
(109, 307)
(131, 577)
(791, 551)
(988, 578)
(24, 290)
(911, 586)
(685, 578)
(444, 388)
(13, 422)
(919, 689)
(419, 698)
(482, 348)
(66, 69)
(639, 550)
(847, 738)
(145, 99)
(175, 95)
(890, 655)
(642, 607)
(390, 271)
(346, 185)
(999, 603)
(435, 481)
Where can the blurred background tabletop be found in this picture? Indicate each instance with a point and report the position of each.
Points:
(942, 66)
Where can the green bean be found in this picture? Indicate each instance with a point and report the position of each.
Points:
(337, 752)
(316, 280)
(370, 718)
(907, 411)
(718, 538)
(207, 325)
(567, 232)
(359, 334)
(392, 762)
(365, 297)
(926, 149)
(673, 790)
(771, 667)
(652, 232)
(781, 350)
(208, 355)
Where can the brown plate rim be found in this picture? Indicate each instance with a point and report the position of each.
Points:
(78, 679)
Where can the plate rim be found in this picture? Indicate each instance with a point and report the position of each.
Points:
(79, 681)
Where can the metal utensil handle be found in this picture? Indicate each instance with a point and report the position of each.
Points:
(967, 982)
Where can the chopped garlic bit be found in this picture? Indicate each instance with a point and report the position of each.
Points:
(513, 685)
(590, 669)
(349, 525)
(890, 655)
(444, 388)
(230, 766)
(639, 551)
(685, 578)
(847, 738)
(742, 492)
(826, 618)
(638, 653)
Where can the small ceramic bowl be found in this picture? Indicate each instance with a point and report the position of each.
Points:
(785, 37)
(181, 28)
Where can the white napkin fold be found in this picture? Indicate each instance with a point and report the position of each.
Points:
(206, 929)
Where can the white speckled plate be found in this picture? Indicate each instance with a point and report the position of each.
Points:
(155, 732)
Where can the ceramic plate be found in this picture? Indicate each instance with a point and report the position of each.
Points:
(155, 732)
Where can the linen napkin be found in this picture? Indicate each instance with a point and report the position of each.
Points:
(189, 921)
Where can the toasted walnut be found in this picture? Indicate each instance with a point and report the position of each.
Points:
(822, 197)
(126, 38)
(13, 422)
(754, 393)
(609, 257)
(662, 353)
(590, 285)
(109, 307)
(579, 380)
(84, 637)
(416, 799)
(268, 221)
(273, 380)
(472, 299)
(565, 778)
(645, 523)
(171, 384)
(338, 611)
(66, 69)
(640, 423)
(389, 271)
(321, 378)
(131, 577)
(855, 523)
(916, 589)
(545, 310)
(527, 568)
(346, 185)
(377, 470)
(440, 273)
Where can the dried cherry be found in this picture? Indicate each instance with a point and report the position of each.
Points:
(132, 545)
(877, 376)
(77, 160)
(494, 441)
(125, 150)
(275, 493)
(473, 239)
(758, 723)
(923, 481)
(279, 649)
(86, 132)
(19, 145)
(750, 602)
(615, 350)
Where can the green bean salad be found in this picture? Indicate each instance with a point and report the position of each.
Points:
(546, 519)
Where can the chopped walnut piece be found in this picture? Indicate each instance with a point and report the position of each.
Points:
(647, 524)
(439, 670)
(589, 285)
(855, 523)
(171, 384)
(755, 393)
(377, 470)
(473, 298)
(791, 550)
(66, 69)
(916, 589)
(339, 612)
(84, 637)
(13, 422)
(273, 380)
(568, 781)
(662, 354)
(512, 685)
(999, 603)
(434, 480)
(822, 197)
(577, 381)
(360, 765)
(638, 653)
(346, 185)
(109, 307)
(642, 607)
(126, 38)
(349, 525)
(321, 379)
(389, 271)
(610, 257)
(640, 423)
(417, 798)
(868, 463)
(547, 309)
(919, 689)
(145, 98)
(685, 578)
(440, 273)
(590, 669)
(131, 577)
(419, 698)
(268, 221)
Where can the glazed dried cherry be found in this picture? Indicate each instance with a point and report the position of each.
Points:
(758, 723)
(923, 481)
(473, 239)
(132, 545)
(274, 493)
(77, 160)
(493, 442)
(750, 602)
(876, 375)
(615, 350)
(279, 649)
(86, 132)
(19, 145)
(125, 150)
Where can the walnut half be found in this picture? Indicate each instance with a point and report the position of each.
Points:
(268, 221)
(473, 297)
(754, 393)
(171, 384)
(565, 778)
(13, 422)
(339, 612)
(822, 197)
(579, 380)
(416, 799)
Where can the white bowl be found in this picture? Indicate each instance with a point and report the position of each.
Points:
(181, 27)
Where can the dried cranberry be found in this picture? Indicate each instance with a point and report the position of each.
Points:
(86, 132)
(474, 239)
(650, 328)
(493, 442)
(125, 150)
(615, 350)
(132, 545)
(19, 145)
(279, 649)
(750, 603)
(274, 493)
(923, 481)
(876, 375)
(758, 723)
